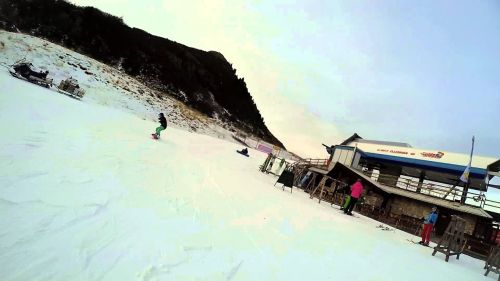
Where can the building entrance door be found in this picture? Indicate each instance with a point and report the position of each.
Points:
(444, 219)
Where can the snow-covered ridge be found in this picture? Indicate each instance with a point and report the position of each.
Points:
(106, 85)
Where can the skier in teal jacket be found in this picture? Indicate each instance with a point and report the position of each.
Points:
(429, 223)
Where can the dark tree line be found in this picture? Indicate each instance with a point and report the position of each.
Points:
(158, 62)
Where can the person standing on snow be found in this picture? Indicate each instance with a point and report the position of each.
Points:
(344, 188)
(356, 190)
(163, 124)
(429, 223)
(304, 180)
(282, 162)
(271, 163)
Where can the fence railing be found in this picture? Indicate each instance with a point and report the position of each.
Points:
(319, 163)
(447, 192)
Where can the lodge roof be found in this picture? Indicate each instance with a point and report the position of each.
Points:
(351, 138)
(357, 138)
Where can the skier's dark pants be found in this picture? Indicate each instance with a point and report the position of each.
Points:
(350, 206)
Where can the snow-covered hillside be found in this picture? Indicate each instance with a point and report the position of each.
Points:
(85, 194)
(103, 84)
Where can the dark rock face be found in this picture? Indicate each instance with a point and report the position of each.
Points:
(203, 80)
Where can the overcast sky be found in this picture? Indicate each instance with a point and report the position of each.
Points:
(425, 72)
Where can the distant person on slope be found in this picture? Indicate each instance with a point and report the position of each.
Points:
(244, 151)
(429, 223)
(163, 124)
(356, 190)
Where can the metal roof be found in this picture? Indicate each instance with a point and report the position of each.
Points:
(440, 166)
(495, 166)
(350, 139)
(357, 138)
(391, 143)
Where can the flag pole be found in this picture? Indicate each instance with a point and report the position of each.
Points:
(466, 175)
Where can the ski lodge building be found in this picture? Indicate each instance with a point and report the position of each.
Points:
(402, 184)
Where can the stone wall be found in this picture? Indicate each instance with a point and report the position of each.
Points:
(373, 199)
(418, 209)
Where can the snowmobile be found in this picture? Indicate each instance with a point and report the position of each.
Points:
(71, 88)
(24, 70)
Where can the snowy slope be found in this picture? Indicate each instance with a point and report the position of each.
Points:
(85, 194)
(103, 84)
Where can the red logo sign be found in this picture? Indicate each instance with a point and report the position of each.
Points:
(437, 155)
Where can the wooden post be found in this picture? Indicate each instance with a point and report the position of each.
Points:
(322, 183)
(312, 180)
(299, 173)
(464, 193)
(335, 184)
(420, 181)
(457, 183)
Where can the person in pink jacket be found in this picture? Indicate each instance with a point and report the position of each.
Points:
(356, 190)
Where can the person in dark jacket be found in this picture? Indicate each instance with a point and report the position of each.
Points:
(163, 124)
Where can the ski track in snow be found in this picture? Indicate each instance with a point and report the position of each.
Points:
(233, 271)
